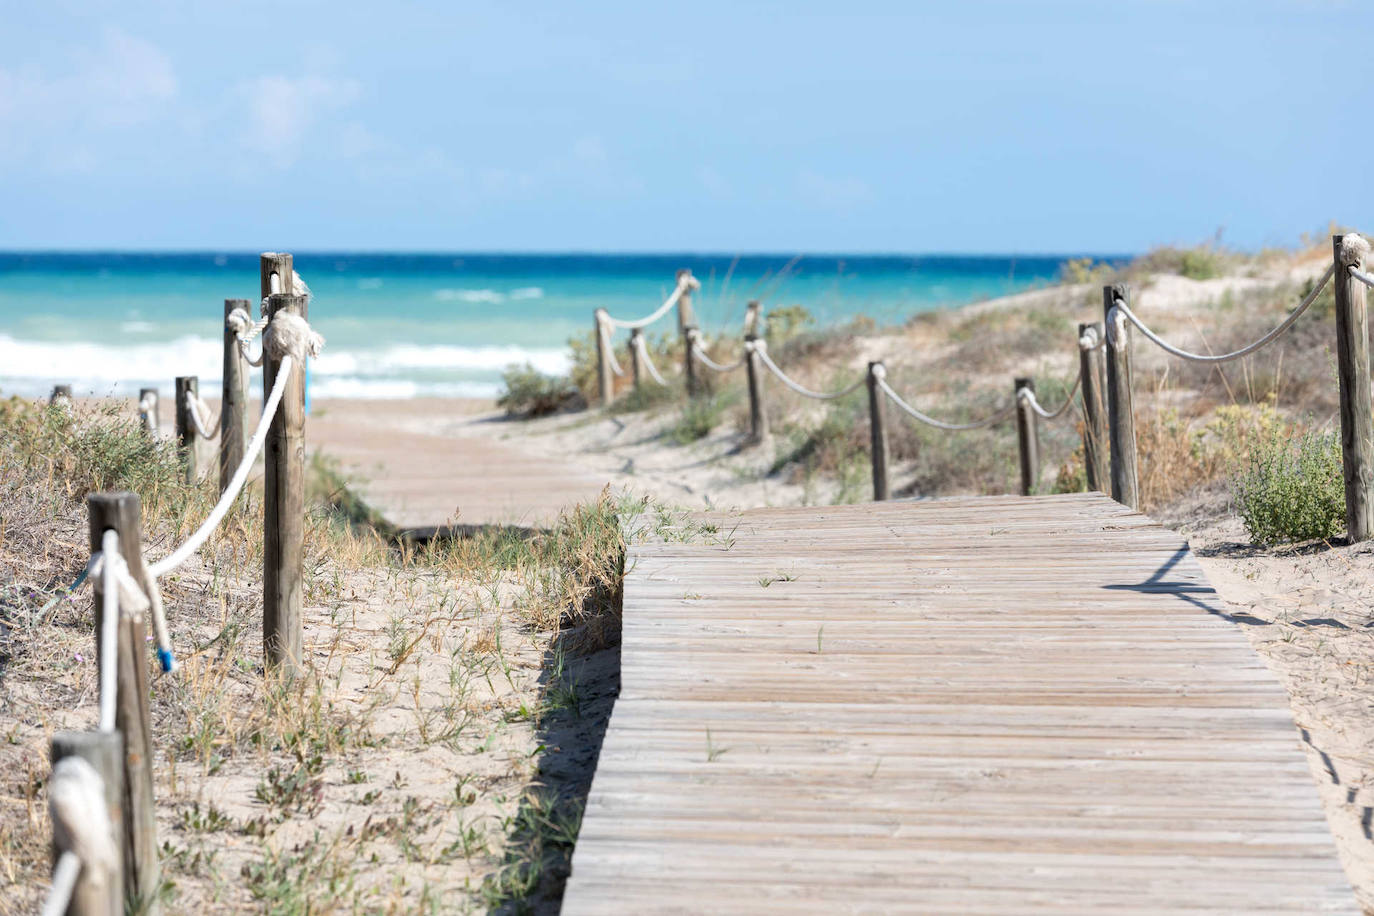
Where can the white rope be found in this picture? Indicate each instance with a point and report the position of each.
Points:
(647, 362)
(109, 629)
(80, 827)
(694, 337)
(64, 876)
(1121, 309)
(1363, 277)
(199, 412)
(245, 329)
(1028, 395)
(604, 329)
(685, 283)
(248, 356)
(194, 542)
(931, 421)
(762, 350)
(1091, 340)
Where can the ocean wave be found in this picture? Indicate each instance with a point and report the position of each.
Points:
(527, 292)
(398, 389)
(391, 360)
(32, 367)
(469, 295)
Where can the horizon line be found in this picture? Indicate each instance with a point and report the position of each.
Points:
(571, 252)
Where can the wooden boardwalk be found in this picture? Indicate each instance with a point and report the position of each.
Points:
(421, 482)
(997, 705)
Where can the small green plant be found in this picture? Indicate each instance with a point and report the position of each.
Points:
(530, 393)
(785, 322)
(699, 416)
(1292, 489)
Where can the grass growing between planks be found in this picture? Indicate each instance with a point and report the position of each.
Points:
(400, 774)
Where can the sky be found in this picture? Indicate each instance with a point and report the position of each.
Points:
(1053, 126)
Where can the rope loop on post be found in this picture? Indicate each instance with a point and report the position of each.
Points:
(81, 828)
(199, 411)
(603, 329)
(1027, 395)
(694, 339)
(1091, 340)
(685, 284)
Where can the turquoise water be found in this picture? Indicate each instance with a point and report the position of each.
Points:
(405, 325)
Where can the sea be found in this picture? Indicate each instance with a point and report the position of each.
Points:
(414, 325)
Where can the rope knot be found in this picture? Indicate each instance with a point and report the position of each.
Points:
(689, 282)
(238, 322)
(879, 371)
(1354, 248)
(1089, 340)
(132, 601)
(290, 335)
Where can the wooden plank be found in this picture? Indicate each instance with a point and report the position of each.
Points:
(993, 705)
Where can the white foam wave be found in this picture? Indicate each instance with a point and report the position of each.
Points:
(402, 370)
(527, 292)
(396, 359)
(468, 295)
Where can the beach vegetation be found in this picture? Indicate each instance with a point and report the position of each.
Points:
(1292, 490)
(527, 392)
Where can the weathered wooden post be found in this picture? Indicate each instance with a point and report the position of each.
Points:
(284, 509)
(1352, 369)
(61, 394)
(120, 512)
(187, 387)
(1027, 437)
(1094, 411)
(877, 429)
(100, 884)
(147, 409)
(233, 404)
(1120, 409)
(636, 341)
(605, 375)
(758, 411)
(275, 273)
(689, 361)
(687, 325)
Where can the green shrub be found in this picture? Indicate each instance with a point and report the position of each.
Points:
(785, 322)
(1292, 489)
(699, 416)
(531, 393)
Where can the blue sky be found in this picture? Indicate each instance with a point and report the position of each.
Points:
(1048, 126)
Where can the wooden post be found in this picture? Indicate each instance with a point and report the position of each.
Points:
(284, 511)
(120, 512)
(758, 413)
(1090, 371)
(99, 891)
(686, 318)
(636, 336)
(1120, 406)
(187, 439)
(61, 394)
(604, 374)
(689, 361)
(233, 403)
(1352, 369)
(877, 428)
(1027, 437)
(751, 319)
(275, 272)
(150, 418)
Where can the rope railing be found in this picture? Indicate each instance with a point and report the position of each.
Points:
(880, 377)
(1122, 310)
(645, 360)
(199, 412)
(64, 876)
(603, 328)
(1366, 279)
(685, 284)
(761, 348)
(1028, 395)
(694, 338)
